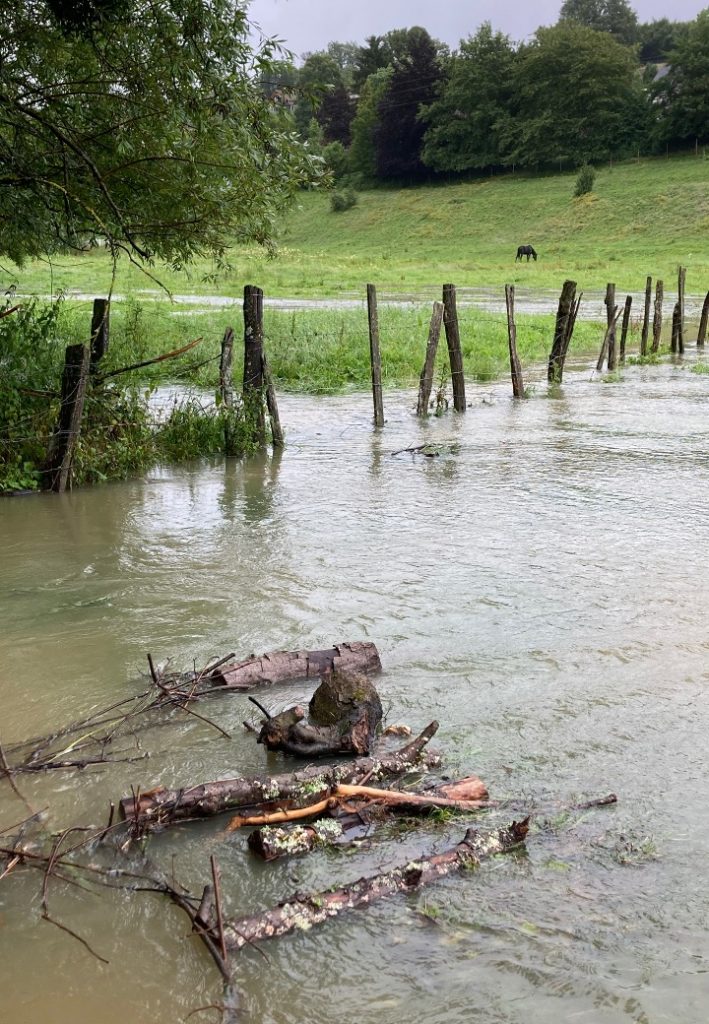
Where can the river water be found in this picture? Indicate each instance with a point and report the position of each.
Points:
(539, 586)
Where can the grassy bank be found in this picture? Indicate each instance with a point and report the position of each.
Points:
(643, 218)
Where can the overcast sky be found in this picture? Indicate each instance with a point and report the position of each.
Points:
(311, 24)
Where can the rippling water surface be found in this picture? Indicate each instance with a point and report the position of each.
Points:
(540, 587)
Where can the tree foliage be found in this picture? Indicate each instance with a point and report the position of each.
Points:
(142, 123)
(469, 120)
(363, 151)
(579, 98)
(614, 16)
(683, 95)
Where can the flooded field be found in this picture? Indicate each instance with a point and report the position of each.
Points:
(539, 586)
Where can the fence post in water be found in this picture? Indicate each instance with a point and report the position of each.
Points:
(624, 326)
(375, 356)
(63, 441)
(515, 367)
(426, 379)
(226, 384)
(450, 320)
(701, 336)
(610, 329)
(272, 404)
(681, 277)
(570, 330)
(646, 317)
(99, 331)
(610, 311)
(674, 342)
(657, 318)
(555, 369)
(253, 359)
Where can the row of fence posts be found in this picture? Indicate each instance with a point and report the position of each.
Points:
(82, 361)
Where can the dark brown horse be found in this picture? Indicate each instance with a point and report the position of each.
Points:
(525, 250)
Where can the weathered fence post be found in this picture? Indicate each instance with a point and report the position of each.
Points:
(226, 384)
(375, 356)
(701, 336)
(515, 367)
(646, 317)
(681, 277)
(426, 379)
(624, 326)
(657, 318)
(571, 323)
(450, 320)
(675, 338)
(610, 329)
(272, 404)
(99, 331)
(555, 369)
(253, 359)
(610, 311)
(63, 442)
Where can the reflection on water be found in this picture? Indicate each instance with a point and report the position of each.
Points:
(539, 587)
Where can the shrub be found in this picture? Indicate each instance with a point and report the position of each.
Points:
(344, 200)
(585, 180)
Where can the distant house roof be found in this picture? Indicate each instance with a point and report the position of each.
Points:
(661, 71)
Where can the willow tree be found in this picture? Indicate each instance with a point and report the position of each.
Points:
(142, 123)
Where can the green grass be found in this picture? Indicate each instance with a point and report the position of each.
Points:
(642, 218)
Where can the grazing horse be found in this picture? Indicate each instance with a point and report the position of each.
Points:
(525, 250)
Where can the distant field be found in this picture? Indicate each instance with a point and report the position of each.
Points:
(642, 218)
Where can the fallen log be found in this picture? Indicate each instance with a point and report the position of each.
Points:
(270, 842)
(160, 807)
(284, 666)
(303, 911)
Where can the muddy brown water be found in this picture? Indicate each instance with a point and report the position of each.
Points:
(540, 587)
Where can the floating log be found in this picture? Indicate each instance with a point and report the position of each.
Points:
(285, 666)
(301, 912)
(160, 807)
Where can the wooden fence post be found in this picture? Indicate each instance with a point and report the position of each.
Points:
(610, 329)
(99, 331)
(681, 278)
(450, 320)
(63, 442)
(624, 326)
(571, 323)
(272, 405)
(253, 359)
(646, 317)
(674, 342)
(426, 379)
(226, 384)
(555, 369)
(375, 356)
(610, 311)
(701, 336)
(515, 366)
(657, 318)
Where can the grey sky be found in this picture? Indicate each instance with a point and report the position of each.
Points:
(311, 24)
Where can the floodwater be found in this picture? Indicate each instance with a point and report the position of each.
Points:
(540, 587)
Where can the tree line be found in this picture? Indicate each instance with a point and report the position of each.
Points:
(596, 86)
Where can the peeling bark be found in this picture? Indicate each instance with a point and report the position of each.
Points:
(283, 666)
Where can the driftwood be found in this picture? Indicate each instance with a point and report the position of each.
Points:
(271, 842)
(160, 807)
(345, 713)
(303, 911)
(283, 666)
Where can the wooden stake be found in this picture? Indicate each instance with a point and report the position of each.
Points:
(63, 443)
(375, 356)
(606, 339)
(555, 369)
(657, 318)
(99, 331)
(226, 384)
(624, 326)
(681, 278)
(455, 355)
(253, 359)
(426, 378)
(610, 311)
(272, 404)
(515, 366)
(701, 336)
(674, 343)
(646, 317)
